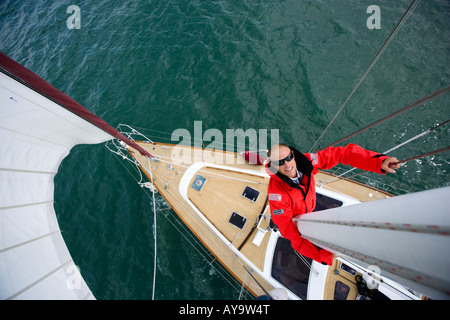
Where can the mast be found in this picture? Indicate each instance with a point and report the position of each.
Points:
(406, 236)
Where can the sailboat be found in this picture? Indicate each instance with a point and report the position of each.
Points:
(223, 200)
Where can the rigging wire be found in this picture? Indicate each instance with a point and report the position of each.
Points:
(226, 146)
(242, 287)
(169, 160)
(396, 29)
(407, 108)
(339, 177)
(424, 155)
(402, 161)
(257, 282)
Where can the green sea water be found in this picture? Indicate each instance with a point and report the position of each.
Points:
(251, 64)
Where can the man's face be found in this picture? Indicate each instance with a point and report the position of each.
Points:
(289, 169)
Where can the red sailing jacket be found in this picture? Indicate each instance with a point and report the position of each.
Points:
(288, 199)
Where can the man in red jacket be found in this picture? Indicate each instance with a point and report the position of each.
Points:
(292, 187)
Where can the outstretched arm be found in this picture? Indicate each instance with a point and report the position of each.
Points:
(355, 156)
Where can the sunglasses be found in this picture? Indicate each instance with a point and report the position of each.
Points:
(282, 161)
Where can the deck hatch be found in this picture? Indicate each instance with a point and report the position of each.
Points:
(237, 220)
(341, 291)
(199, 182)
(250, 193)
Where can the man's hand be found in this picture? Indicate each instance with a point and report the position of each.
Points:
(389, 164)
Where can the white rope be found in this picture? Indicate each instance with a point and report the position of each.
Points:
(154, 230)
(303, 259)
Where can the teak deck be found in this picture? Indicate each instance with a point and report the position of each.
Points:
(219, 197)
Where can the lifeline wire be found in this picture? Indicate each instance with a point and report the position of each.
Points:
(397, 28)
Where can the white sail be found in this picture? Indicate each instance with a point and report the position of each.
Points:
(407, 237)
(35, 136)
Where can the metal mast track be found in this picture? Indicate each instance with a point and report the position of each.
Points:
(406, 236)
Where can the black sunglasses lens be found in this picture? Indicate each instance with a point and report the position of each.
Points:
(282, 161)
(279, 162)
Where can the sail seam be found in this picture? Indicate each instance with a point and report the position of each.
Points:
(26, 205)
(39, 280)
(27, 171)
(41, 139)
(28, 241)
